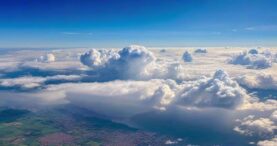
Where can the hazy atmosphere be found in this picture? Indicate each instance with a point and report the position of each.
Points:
(138, 73)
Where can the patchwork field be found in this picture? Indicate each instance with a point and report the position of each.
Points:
(63, 127)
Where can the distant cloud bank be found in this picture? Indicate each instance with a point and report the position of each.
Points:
(134, 81)
(201, 50)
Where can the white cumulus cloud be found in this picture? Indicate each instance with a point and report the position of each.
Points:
(47, 58)
(217, 91)
(252, 126)
(130, 62)
(251, 60)
(260, 81)
(270, 142)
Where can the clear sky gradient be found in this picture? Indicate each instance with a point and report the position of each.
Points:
(117, 23)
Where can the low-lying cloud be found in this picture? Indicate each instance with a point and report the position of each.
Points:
(258, 81)
(251, 60)
(125, 83)
(187, 57)
(252, 126)
(201, 50)
(217, 91)
(47, 58)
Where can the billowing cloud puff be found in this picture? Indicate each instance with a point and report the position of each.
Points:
(274, 116)
(171, 142)
(187, 57)
(252, 126)
(253, 51)
(218, 91)
(164, 95)
(267, 53)
(256, 105)
(134, 59)
(201, 50)
(270, 55)
(98, 58)
(259, 81)
(262, 125)
(129, 62)
(136, 96)
(175, 71)
(47, 58)
(253, 61)
(271, 142)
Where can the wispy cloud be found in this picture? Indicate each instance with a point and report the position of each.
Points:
(249, 28)
(234, 30)
(77, 33)
(262, 28)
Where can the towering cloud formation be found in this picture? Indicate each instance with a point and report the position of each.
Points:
(98, 58)
(129, 62)
(134, 59)
(218, 91)
(253, 61)
(187, 57)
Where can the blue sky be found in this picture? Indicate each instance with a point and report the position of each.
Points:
(117, 23)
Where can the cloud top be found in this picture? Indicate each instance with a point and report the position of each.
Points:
(250, 60)
(130, 62)
(252, 126)
(187, 57)
(47, 58)
(98, 58)
(217, 91)
(253, 51)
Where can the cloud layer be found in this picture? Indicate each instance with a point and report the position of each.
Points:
(132, 81)
(251, 126)
(258, 81)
